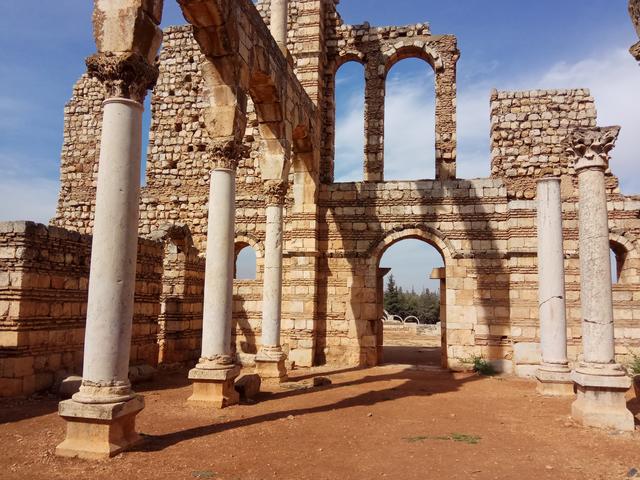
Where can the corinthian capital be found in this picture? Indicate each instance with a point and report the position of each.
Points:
(124, 75)
(225, 155)
(275, 191)
(590, 147)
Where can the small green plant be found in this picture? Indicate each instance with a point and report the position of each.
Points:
(481, 366)
(634, 365)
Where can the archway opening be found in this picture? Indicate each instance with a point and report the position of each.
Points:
(411, 284)
(349, 124)
(245, 262)
(409, 123)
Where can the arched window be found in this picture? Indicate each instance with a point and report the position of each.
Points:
(409, 138)
(349, 124)
(245, 262)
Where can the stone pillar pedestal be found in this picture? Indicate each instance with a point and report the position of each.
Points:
(601, 383)
(554, 374)
(270, 358)
(214, 374)
(270, 365)
(214, 386)
(97, 431)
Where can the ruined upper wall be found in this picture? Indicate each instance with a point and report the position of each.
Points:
(79, 157)
(528, 130)
(378, 49)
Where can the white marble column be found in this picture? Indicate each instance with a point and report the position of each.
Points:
(270, 358)
(554, 374)
(101, 416)
(279, 23)
(601, 383)
(216, 371)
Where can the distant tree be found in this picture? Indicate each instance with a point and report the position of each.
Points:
(392, 297)
(425, 305)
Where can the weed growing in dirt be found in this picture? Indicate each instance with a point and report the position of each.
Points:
(634, 365)
(480, 365)
(454, 437)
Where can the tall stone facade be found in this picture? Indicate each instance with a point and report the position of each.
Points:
(336, 233)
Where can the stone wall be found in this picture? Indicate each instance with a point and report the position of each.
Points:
(79, 157)
(527, 133)
(44, 275)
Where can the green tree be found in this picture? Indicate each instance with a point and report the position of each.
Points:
(392, 297)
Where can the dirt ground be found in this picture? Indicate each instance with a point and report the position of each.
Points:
(396, 422)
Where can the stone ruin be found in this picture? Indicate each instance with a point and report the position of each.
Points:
(241, 153)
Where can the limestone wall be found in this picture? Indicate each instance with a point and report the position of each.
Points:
(527, 133)
(44, 274)
(79, 157)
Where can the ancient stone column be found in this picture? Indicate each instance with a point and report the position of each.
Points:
(270, 358)
(214, 375)
(279, 22)
(101, 416)
(601, 383)
(554, 374)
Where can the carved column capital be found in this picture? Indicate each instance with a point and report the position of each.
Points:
(275, 191)
(225, 155)
(590, 147)
(125, 75)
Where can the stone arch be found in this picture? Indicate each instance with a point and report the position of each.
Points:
(346, 57)
(623, 245)
(247, 240)
(423, 51)
(432, 237)
(425, 233)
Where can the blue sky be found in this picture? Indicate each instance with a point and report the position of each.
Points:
(505, 44)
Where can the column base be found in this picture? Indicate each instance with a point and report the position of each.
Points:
(554, 381)
(99, 431)
(271, 371)
(601, 399)
(215, 386)
(271, 368)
